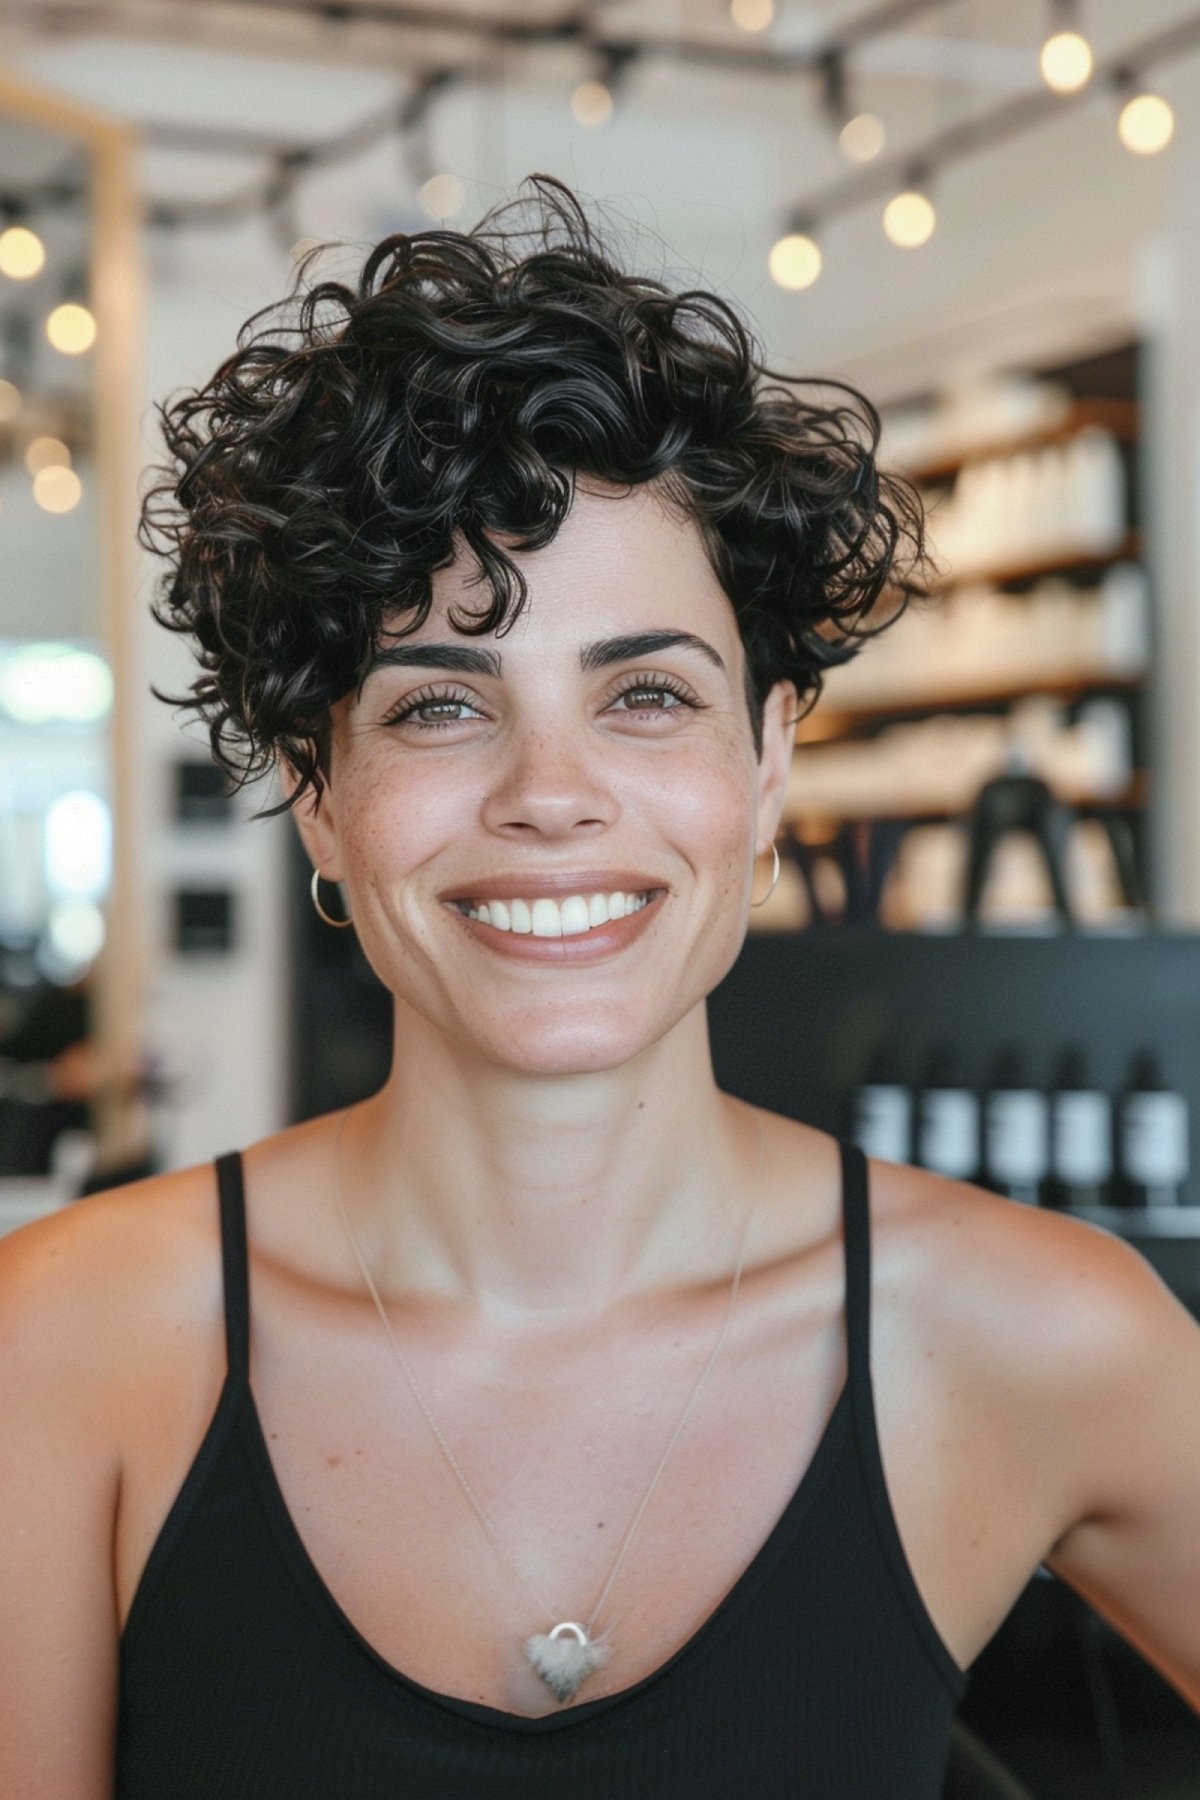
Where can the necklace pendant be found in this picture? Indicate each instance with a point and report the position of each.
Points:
(565, 1657)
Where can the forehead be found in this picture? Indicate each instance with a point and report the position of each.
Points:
(621, 558)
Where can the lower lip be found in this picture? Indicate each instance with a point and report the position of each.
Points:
(580, 947)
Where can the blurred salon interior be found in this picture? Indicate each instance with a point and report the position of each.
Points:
(983, 952)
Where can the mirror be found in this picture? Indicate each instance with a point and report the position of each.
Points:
(69, 968)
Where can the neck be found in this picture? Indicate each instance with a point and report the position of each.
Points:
(541, 1199)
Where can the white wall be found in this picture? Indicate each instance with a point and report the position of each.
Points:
(220, 1021)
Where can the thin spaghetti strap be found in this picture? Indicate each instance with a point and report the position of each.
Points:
(856, 1228)
(234, 1263)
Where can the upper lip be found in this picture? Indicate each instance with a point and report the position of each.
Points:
(526, 885)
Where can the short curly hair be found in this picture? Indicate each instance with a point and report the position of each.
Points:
(360, 436)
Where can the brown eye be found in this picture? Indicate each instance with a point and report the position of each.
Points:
(650, 699)
(427, 711)
(653, 696)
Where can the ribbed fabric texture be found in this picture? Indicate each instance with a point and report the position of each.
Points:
(820, 1675)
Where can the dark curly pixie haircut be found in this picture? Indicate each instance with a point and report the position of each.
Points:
(360, 436)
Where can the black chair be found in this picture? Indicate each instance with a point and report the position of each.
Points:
(973, 1773)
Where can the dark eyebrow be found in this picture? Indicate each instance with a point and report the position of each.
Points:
(436, 656)
(600, 655)
(643, 643)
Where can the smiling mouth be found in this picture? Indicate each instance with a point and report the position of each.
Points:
(573, 916)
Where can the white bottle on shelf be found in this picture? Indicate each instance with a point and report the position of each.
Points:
(1097, 489)
(1123, 620)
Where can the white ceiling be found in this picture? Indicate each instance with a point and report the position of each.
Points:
(1036, 239)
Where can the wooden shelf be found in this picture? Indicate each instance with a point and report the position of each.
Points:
(1118, 416)
(1062, 562)
(833, 722)
(1131, 799)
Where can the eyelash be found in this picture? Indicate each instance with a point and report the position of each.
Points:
(406, 712)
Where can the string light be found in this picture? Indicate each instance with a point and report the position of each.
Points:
(46, 453)
(22, 253)
(442, 196)
(10, 401)
(71, 328)
(592, 104)
(1146, 124)
(861, 138)
(752, 15)
(909, 219)
(1066, 59)
(795, 260)
(57, 489)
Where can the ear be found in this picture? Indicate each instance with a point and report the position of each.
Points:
(775, 763)
(315, 821)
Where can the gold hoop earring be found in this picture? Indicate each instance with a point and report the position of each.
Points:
(774, 878)
(338, 924)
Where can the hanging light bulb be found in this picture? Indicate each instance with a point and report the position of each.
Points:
(57, 489)
(71, 328)
(442, 196)
(1146, 123)
(1066, 59)
(592, 104)
(46, 453)
(22, 253)
(752, 15)
(861, 138)
(795, 260)
(909, 217)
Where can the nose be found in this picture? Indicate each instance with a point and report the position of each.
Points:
(551, 784)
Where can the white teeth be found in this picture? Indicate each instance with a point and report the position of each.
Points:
(551, 918)
(547, 919)
(574, 916)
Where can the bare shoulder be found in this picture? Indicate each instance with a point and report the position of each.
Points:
(1024, 1289)
(80, 1287)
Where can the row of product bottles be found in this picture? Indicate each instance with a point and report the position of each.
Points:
(1065, 497)
(1071, 1146)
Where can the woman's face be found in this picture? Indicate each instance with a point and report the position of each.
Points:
(536, 771)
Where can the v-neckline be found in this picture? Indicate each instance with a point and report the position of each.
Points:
(313, 1583)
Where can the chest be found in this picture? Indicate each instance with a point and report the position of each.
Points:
(558, 1446)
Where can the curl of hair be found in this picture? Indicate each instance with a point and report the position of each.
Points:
(360, 437)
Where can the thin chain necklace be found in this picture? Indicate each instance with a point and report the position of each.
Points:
(568, 1653)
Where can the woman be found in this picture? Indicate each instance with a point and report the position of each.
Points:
(513, 1431)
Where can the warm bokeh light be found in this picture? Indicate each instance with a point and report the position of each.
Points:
(71, 328)
(46, 453)
(795, 260)
(1066, 62)
(10, 401)
(752, 15)
(442, 196)
(1146, 124)
(22, 253)
(909, 219)
(57, 490)
(861, 138)
(592, 104)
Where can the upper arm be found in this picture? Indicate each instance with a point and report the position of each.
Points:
(1123, 1387)
(59, 1485)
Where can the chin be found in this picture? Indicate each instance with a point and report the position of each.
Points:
(578, 1042)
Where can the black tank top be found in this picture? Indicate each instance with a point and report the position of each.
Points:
(819, 1674)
